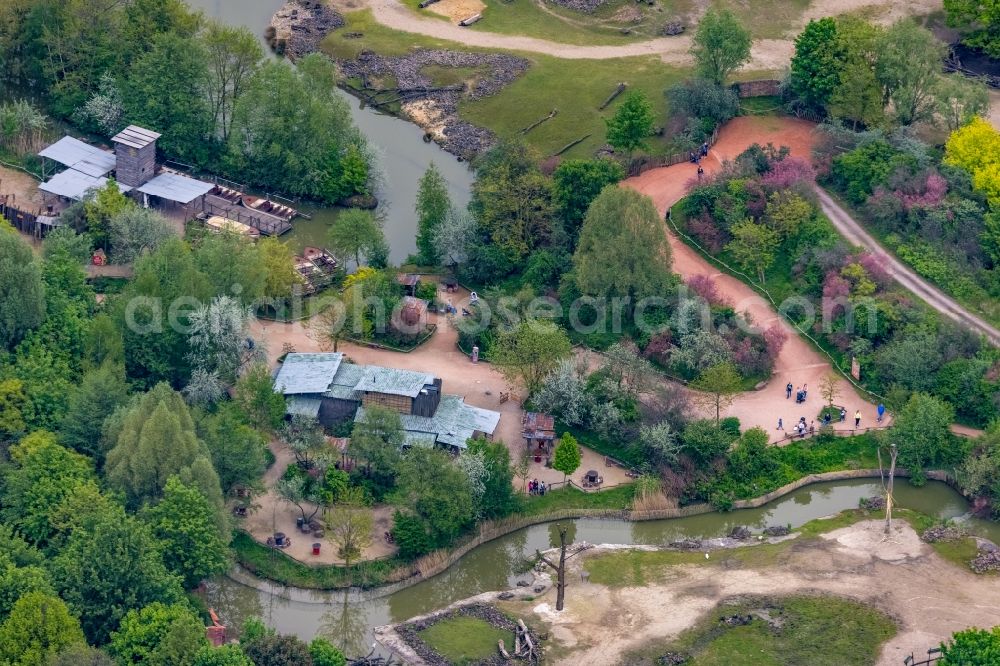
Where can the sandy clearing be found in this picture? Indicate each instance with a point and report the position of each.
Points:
(457, 10)
(273, 514)
(929, 597)
(22, 186)
(766, 54)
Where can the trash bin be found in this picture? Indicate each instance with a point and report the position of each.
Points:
(316, 548)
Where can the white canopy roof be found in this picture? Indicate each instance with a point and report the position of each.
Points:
(74, 184)
(81, 156)
(175, 187)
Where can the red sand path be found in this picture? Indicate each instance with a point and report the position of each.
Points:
(798, 362)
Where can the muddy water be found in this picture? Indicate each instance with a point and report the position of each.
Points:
(494, 565)
(402, 154)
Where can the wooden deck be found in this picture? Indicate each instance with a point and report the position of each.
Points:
(267, 224)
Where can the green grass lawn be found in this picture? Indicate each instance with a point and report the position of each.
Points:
(814, 630)
(465, 640)
(575, 87)
(616, 498)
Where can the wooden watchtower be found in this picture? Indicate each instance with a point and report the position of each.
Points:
(135, 155)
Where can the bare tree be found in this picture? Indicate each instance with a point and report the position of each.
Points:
(350, 523)
(560, 568)
(828, 387)
(887, 484)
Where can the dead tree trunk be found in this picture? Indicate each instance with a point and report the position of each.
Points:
(560, 569)
(887, 485)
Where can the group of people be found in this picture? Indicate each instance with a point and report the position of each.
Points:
(695, 157)
(536, 487)
(801, 393)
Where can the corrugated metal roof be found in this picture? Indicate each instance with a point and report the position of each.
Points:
(393, 381)
(453, 424)
(136, 137)
(298, 405)
(307, 373)
(74, 184)
(175, 187)
(83, 157)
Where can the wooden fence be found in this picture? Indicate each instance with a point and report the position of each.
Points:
(933, 656)
(643, 163)
(22, 220)
(758, 88)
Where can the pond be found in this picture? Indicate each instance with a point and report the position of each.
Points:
(402, 154)
(494, 565)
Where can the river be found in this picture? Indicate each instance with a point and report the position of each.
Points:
(494, 565)
(402, 154)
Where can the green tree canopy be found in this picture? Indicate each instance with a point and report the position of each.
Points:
(908, 67)
(818, 60)
(433, 205)
(38, 628)
(159, 635)
(237, 449)
(263, 407)
(355, 234)
(576, 184)
(530, 352)
(22, 294)
(225, 655)
(972, 647)
(234, 54)
(100, 392)
(110, 568)
(436, 491)
(567, 455)
(718, 385)
(623, 250)
(921, 433)
(377, 438)
(165, 89)
(41, 476)
(721, 45)
(185, 523)
(980, 19)
(301, 141)
(498, 498)
(632, 123)
(155, 441)
(512, 201)
(165, 282)
(754, 246)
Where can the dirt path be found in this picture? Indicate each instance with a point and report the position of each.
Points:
(766, 54)
(904, 275)
(798, 362)
(927, 596)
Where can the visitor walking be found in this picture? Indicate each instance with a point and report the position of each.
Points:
(843, 414)
(881, 412)
(701, 172)
(857, 418)
(781, 426)
(788, 390)
(812, 428)
(805, 392)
